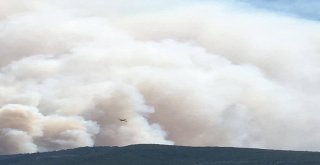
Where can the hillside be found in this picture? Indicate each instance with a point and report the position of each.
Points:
(148, 154)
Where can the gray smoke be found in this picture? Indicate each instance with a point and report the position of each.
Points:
(180, 72)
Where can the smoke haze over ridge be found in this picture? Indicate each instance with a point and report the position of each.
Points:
(181, 72)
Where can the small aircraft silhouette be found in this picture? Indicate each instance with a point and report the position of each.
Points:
(123, 120)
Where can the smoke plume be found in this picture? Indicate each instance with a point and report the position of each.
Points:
(180, 72)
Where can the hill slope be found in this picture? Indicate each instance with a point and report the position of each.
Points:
(147, 154)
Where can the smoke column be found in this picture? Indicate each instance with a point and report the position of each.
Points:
(181, 72)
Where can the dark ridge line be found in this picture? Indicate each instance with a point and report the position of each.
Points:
(156, 154)
(161, 145)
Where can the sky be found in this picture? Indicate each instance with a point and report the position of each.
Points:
(234, 73)
(297, 8)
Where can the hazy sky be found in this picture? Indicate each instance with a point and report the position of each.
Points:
(300, 8)
(202, 73)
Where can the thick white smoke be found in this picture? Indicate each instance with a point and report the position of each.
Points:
(181, 73)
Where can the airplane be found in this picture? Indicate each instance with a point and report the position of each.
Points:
(123, 120)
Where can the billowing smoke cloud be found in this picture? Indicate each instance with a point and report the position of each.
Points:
(180, 72)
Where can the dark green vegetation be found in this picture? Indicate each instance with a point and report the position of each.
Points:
(164, 155)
